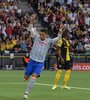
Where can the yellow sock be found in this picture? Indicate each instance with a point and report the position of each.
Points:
(58, 74)
(66, 77)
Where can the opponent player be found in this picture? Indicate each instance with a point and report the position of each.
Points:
(64, 61)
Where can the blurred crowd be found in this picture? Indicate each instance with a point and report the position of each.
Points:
(73, 15)
(54, 15)
(14, 28)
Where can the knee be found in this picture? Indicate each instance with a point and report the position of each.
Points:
(59, 71)
(26, 77)
(35, 75)
(68, 71)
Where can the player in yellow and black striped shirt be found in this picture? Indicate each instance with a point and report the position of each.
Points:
(64, 60)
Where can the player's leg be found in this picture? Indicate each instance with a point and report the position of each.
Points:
(58, 75)
(67, 75)
(36, 72)
(30, 86)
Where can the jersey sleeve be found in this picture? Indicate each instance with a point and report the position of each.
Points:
(56, 39)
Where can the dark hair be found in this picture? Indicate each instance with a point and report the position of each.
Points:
(44, 30)
(65, 33)
(31, 13)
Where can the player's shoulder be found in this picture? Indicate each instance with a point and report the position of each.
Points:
(60, 41)
(48, 39)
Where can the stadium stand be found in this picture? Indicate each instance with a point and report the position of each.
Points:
(51, 14)
(71, 14)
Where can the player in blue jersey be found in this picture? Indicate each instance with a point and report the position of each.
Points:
(37, 54)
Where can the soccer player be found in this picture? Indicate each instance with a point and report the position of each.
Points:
(64, 61)
(37, 55)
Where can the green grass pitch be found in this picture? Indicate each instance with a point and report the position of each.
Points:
(12, 86)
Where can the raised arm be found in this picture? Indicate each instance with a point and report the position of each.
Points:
(55, 40)
(32, 29)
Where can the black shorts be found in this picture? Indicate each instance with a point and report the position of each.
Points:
(67, 65)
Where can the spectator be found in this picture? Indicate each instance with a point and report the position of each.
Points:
(53, 15)
(23, 46)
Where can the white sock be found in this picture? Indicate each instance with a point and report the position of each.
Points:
(30, 85)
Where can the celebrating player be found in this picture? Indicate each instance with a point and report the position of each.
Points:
(37, 54)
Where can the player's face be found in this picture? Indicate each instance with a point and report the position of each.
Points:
(67, 37)
(42, 36)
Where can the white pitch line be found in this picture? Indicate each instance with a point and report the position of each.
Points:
(50, 85)
(78, 88)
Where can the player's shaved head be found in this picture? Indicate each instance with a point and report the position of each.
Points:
(65, 34)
